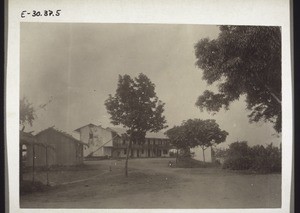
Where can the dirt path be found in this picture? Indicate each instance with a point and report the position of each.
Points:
(151, 184)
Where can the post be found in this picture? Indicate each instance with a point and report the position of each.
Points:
(47, 168)
(176, 155)
(127, 155)
(33, 162)
(203, 154)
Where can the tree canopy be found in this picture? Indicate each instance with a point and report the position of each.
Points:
(243, 60)
(27, 113)
(196, 132)
(136, 107)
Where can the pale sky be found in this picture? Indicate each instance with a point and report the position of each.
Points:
(77, 67)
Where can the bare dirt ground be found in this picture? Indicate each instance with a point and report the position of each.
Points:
(152, 184)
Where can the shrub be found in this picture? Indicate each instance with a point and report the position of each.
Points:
(238, 163)
(266, 159)
(257, 158)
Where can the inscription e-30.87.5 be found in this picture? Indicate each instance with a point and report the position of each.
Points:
(39, 13)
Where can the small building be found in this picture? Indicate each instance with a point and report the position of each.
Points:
(65, 149)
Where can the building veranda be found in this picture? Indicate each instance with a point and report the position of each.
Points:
(112, 142)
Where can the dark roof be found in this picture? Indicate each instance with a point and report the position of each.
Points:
(78, 129)
(63, 134)
(27, 137)
(149, 135)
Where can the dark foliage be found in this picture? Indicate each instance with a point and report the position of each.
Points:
(27, 113)
(136, 107)
(196, 132)
(244, 60)
(258, 158)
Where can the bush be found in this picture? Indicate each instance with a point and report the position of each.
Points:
(257, 158)
(266, 159)
(238, 163)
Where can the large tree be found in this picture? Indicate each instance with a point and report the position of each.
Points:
(197, 132)
(136, 107)
(243, 60)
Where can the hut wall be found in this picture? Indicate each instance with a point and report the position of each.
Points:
(66, 151)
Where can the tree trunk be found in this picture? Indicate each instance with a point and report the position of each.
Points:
(127, 156)
(203, 154)
(47, 167)
(177, 156)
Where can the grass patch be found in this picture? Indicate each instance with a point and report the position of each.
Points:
(187, 162)
(81, 167)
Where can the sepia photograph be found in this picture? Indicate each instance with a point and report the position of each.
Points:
(150, 116)
(149, 106)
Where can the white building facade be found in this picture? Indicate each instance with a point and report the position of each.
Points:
(98, 139)
(110, 142)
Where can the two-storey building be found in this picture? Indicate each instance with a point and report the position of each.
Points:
(112, 142)
(155, 144)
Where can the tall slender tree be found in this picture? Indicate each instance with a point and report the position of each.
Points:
(136, 107)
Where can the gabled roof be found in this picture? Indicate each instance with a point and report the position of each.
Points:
(27, 137)
(149, 135)
(90, 125)
(119, 131)
(61, 133)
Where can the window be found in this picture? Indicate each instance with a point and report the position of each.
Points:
(125, 151)
(91, 135)
(165, 151)
(142, 151)
(123, 141)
